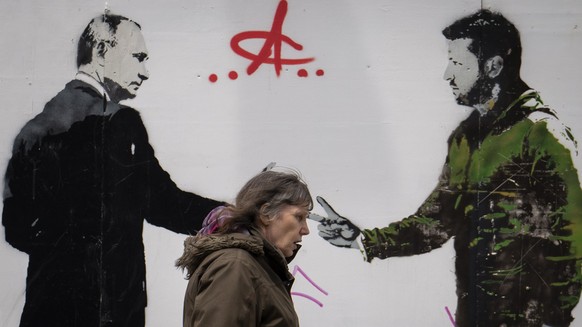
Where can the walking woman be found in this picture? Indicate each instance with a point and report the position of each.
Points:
(237, 264)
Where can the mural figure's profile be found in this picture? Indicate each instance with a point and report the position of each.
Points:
(508, 194)
(81, 181)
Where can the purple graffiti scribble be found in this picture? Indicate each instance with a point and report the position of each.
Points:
(307, 297)
(451, 316)
(298, 269)
(273, 39)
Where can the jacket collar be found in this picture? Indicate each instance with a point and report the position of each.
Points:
(84, 77)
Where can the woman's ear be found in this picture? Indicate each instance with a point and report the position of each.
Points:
(263, 217)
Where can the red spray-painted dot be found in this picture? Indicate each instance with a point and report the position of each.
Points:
(302, 73)
(233, 75)
(319, 72)
(213, 78)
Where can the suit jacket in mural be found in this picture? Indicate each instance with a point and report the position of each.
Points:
(510, 196)
(81, 181)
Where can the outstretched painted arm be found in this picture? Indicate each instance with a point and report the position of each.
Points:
(430, 227)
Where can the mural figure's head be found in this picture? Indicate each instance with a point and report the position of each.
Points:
(277, 204)
(112, 50)
(484, 57)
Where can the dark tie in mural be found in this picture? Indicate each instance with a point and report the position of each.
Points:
(81, 181)
(508, 194)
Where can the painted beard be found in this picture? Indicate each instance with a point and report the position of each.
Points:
(480, 93)
(116, 92)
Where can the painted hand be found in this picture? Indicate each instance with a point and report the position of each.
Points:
(335, 229)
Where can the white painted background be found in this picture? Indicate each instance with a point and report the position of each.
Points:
(370, 136)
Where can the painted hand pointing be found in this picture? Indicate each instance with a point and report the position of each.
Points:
(335, 229)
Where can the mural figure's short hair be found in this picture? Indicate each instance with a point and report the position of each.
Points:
(492, 35)
(99, 32)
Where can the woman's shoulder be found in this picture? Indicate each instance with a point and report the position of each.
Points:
(224, 249)
(232, 255)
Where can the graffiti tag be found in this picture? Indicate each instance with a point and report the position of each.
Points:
(270, 53)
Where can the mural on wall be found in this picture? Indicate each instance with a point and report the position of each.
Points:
(369, 134)
(81, 181)
(508, 193)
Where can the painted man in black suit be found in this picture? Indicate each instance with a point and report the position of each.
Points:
(81, 181)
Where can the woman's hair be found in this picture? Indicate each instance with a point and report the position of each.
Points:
(265, 195)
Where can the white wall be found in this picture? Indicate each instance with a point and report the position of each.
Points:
(370, 135)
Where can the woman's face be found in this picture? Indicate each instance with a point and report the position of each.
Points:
(286, 230)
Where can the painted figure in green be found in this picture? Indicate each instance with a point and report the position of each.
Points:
(509, 194)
